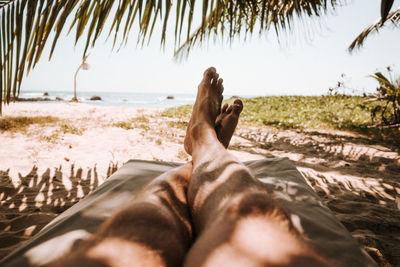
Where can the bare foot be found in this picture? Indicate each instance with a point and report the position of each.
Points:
(205, 109)
(227, 121)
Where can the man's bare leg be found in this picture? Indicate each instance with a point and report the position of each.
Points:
(227, 121)
(235, 220)
(155, 228)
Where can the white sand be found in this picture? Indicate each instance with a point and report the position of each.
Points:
(357, 179)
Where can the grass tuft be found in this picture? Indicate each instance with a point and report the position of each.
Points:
(178, 124)
(181, 112)
(141, 119)
(53, 138)
(124, 125)
(20, 123)
(67, 128)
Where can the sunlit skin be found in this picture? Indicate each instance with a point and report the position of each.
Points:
(210, 212)
(235, 220)
(155, 228)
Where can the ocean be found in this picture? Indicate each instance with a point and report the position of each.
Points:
(142, 100)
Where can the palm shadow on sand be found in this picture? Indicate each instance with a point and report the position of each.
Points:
(358, 179)
(37, 199)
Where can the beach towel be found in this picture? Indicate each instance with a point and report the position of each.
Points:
(309, 215)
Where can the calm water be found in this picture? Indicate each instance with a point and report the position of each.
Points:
(144, 100)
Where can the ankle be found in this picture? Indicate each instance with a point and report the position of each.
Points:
(202, 132)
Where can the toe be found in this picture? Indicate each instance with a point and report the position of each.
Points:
(214, 81)
(229, 109)
(220, 87)
(224, 108)
(238, 106)
(209, 74)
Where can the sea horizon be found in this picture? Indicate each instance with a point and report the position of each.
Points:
(132, 99)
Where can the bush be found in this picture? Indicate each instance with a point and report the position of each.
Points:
(387, 98)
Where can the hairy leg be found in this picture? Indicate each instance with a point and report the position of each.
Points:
(236, 221)
(154, 229)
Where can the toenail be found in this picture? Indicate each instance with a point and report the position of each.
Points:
(210, 71)
(238, 102)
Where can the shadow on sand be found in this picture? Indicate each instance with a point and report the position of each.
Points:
(36, 199)
(358, 179)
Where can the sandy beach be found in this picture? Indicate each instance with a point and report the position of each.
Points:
(47, 167)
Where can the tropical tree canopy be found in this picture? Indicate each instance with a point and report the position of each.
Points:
(394, 19)
(28, 26)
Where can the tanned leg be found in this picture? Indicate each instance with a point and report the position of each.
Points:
(154, 229)
(236, 221)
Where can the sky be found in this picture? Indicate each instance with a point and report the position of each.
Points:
(258, 66)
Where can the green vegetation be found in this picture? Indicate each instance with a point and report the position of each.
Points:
(387, 99)
(53, 138)
(182, 112)
(181, 124)
(143, 126)
(124, 125)
(141, 118)
(57, 136)
(67, 128)
(136, 122)
(335, 112)
(20, 123)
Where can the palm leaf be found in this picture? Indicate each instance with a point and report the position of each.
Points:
(386, 5)
(243, 17)
(384, 83)
(26, 25)
(393, 17)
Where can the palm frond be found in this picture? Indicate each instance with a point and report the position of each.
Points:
(28, 26)
(386, 5)
(384, 82)
(393, 17)
(236, 18)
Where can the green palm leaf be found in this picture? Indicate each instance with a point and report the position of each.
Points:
(393, 17)
(26, 25)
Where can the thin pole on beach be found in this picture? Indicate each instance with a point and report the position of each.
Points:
(84, 66)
